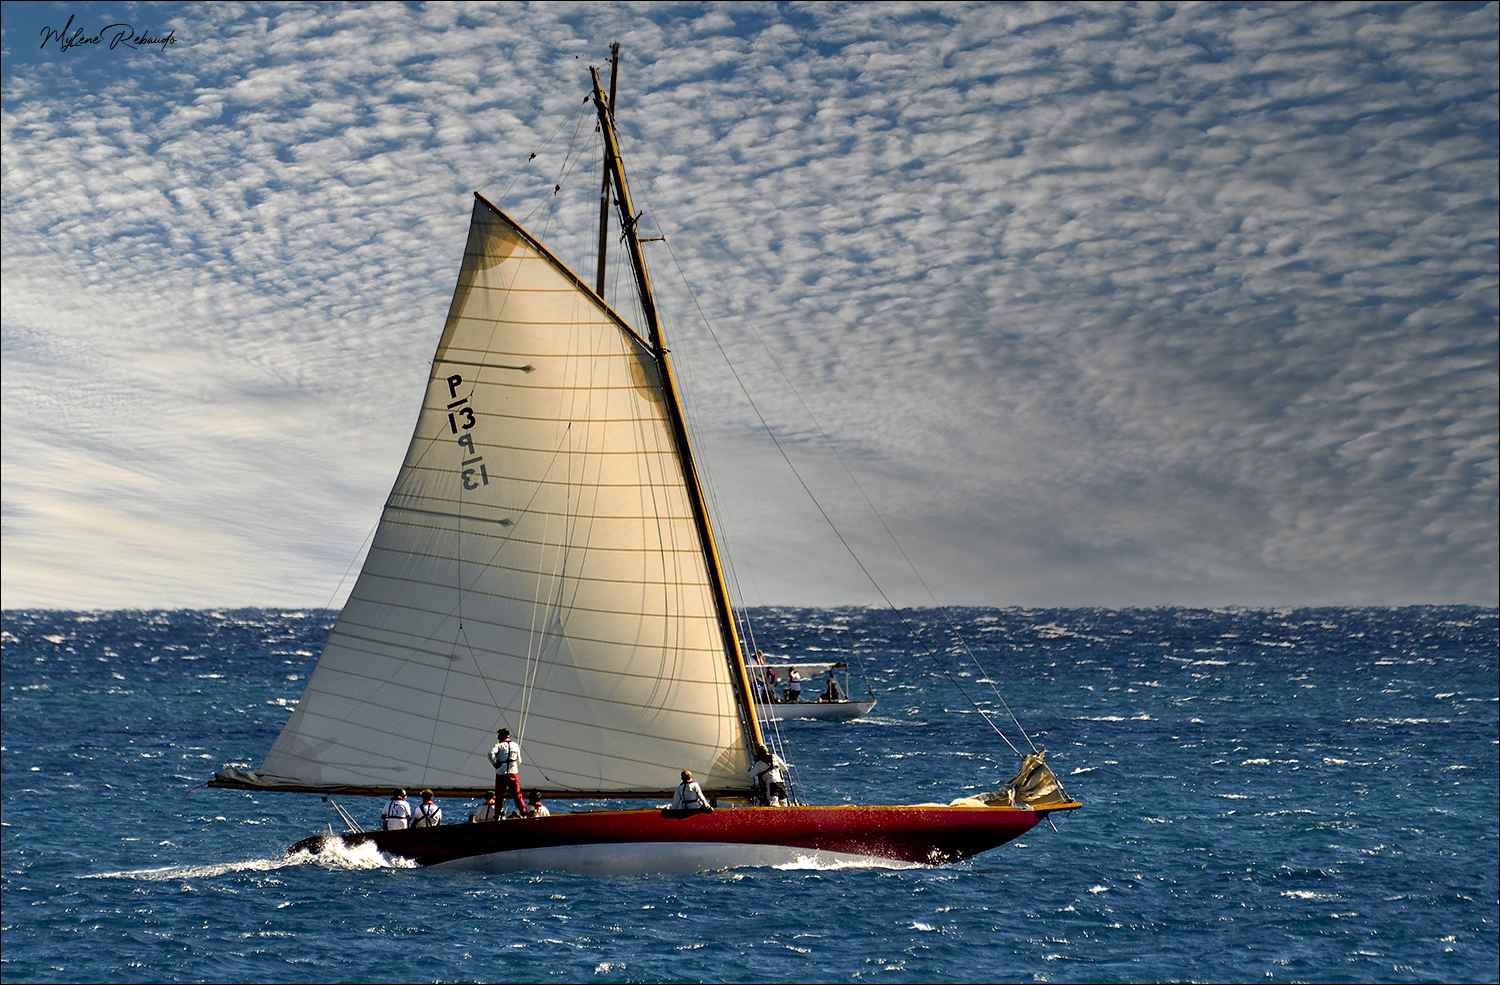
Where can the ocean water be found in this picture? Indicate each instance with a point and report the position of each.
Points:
(1287, 795)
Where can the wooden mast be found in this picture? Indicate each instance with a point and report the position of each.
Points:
(628, 217)
(614, 75)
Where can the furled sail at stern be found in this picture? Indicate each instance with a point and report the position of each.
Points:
(537, 566)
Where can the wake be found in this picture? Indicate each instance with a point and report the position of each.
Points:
(335, 855)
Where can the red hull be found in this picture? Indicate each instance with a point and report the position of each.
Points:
(930, 835)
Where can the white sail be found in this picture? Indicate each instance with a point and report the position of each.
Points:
(537, 566)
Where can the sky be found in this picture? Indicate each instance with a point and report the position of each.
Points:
(1047, 305)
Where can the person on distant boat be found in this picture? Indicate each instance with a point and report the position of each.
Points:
(771, 683)
(428, 814)
(832, 692)
(768, 776)
(758, 676)
(793, 685)
(486, 812)
(537, 808)
(397, 813)
(506, 758)
(689, 796)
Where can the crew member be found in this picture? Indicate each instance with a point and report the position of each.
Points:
(689, 796)
(758, 676)
(768, 776)
(486, 811)
(429, 814)
(397, 813)
(506, 758)
(537, 809)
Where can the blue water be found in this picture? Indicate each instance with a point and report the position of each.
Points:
(1270, 795)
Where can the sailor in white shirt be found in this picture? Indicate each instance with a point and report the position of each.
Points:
(769, 780)
(486, 812)
(505, 756)
(397, 813)
(689, 796)
(428, 814)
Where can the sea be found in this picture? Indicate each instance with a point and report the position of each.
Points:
(1268, 795)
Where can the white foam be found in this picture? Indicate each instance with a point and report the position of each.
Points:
(170, 872)
(335, 856)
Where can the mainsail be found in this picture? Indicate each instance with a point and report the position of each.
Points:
(538, 566)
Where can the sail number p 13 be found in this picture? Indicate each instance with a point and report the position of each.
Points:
(456, 411)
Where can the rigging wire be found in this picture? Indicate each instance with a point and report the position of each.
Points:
(770, 727)
(564, 172)
(849, 548)
(521, 167)
(358, 551)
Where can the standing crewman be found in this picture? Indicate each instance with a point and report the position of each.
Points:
(506, 758)
(766, 771)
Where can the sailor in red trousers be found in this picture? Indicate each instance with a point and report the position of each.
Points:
(506, 758)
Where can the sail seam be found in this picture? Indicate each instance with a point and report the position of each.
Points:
(603, 641)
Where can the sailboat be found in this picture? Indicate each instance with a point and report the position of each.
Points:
(545, 562)
(831, 706)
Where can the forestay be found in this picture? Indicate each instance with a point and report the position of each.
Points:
(537, 566)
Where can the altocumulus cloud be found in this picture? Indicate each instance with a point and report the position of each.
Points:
(1102, 305)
